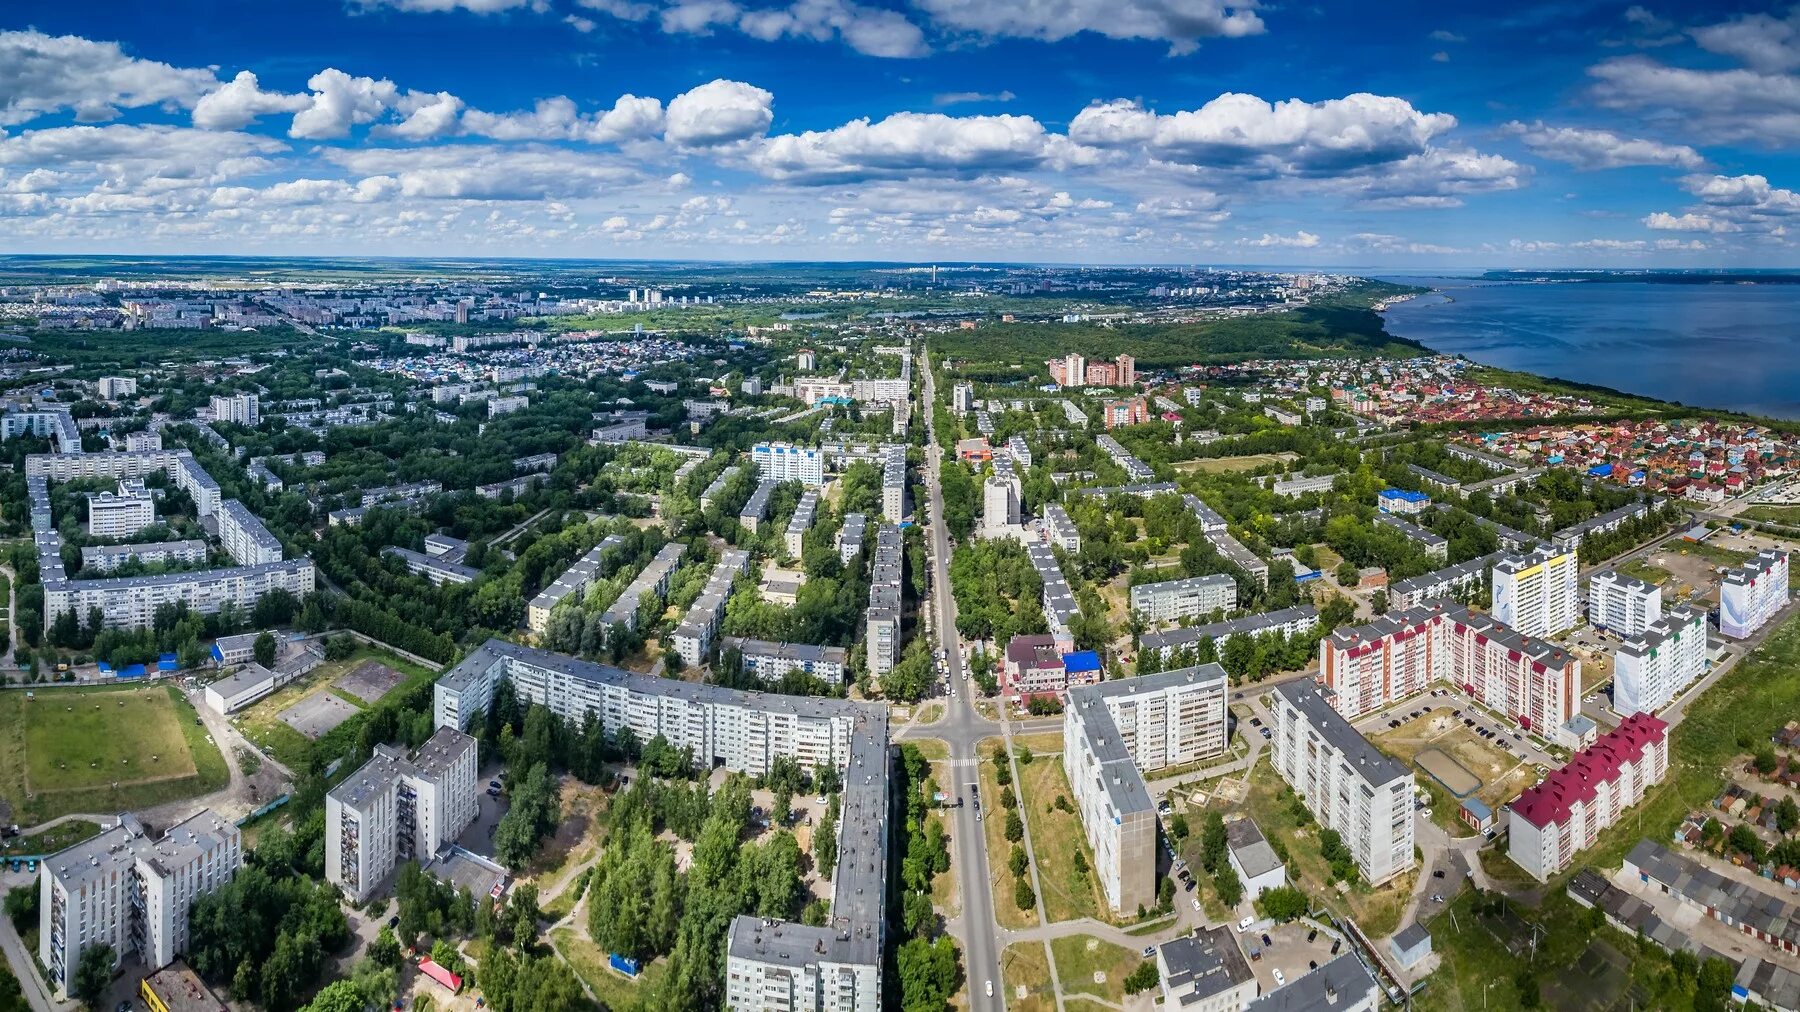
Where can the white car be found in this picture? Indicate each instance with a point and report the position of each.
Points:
(1244, 925)
(1196, 903)
(1280, 978)
(820, 800)
(990, 989)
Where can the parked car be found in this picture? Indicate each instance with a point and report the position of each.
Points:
(1266, 940)
(1310, 935)
(1280, 978)
(1244, 925)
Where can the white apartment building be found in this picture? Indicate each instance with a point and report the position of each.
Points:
(106, 558)
(125, 890)
(1059, 530)
(805, 511)
(179, 465)
(999, 506)
(850, 536)
(244, 536)
(1296, 621)
(399, 808)
(112, 388)
(497, 406)
(1344, 781)
(128, 602)
(694, 637)
(962, 398)
(882, 620)
(769, 661)
(1622, 605)
(1112, 733)
(1535, 594)
(787, 462)
(143, 440)
(1189, 598)
(1557, 819)
(770, 965)
(1753, 593)
(123, 513)
(893, 484)
(1205, 972)
(572, 581)
(1652, 667)
(244, 409)
(653, 579)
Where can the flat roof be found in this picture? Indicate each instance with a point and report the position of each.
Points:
(1248, 845)
(1369, 763)
(1204, 964)
(1341, 982)
(251, 676)
(1251, 624)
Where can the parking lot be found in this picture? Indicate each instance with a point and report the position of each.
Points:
(1287, 951)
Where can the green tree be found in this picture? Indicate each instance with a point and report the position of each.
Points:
(1015, 827)
(93, 974)
(1282, 903)
(1023, 897)
(264, 648)
(1142, 978)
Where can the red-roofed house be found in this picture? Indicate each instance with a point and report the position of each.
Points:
(1558, 818)
(438, 973)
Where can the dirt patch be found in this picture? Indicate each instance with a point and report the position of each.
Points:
(369, 681)
(318, 714)
(1447, 771)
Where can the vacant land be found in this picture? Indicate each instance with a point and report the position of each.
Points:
(1643, 569)
(1025, 973)
(1502, 774)
(1711, 553)
(1788, 515)
(1070, 891)
(1220, 465)
(1087, 965)
(261, 723)
(102, 749)
(614, 989)
(57, 837)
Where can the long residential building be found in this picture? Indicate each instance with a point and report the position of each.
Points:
(1570, 537)
(1188, 598)
(756, 508)
(106, 558)
(653, 579)
(1059, 530)
(1465, 579)
(130, 602)
(399, 808)
(1059, 604)
(805, 511)
(1431, 541)
(1531, 681)
(770, 965)
(572, 581)
(1135, 469)
(1294, 621)
(1235, 553)
(1536, 593)
(882, 620)
(1753, 593)
(694, 637)
(1557, 819)
(243, 535)
(1112, 732)
(787, 462)
(1622, 605)
(1344, 781)
(1653, 667)
(893, 484)
(717, 487)
(850, 536)
(179, 465)
(769, 661)
(125, 890)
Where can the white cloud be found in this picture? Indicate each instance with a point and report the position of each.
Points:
(1380, 242)
(440, 6)
(871, 31)
(427, 116)
(41, 74)
(907, 144)
(717, 113)
(489, 172)
(1743, 196)
(1180, 23)
(1601, 149)
(339, 102)
(1299, 240)
(1758, 41)
(964, 97)
(238, 103)
(1445, 35)
(1665, 222)
(1440, 57)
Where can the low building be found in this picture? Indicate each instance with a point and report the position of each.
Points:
(1410, 945)
(1432, 542)
(176, 988)
(1476, 814)
(434, 568)
(248, 684)
(1342, 985)
(1293, 488)
(572, 581)
(1296, 621)
(769, 661)
(1399, 500)
(1252, 858)
(1204, 972)
(1758, 914)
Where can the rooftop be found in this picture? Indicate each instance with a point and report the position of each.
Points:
(1364, 759)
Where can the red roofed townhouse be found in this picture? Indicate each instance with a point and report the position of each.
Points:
(1560, 817)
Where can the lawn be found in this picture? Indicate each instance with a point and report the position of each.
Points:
(1643, 569)
(100, 749)
(945, 898)
(614, 989)
(1789, 515)
(933, 749)
(1220, 465)
(1056, 837)
(1711, 553)
(993, 829)
(1080, 957)
(1023, 964)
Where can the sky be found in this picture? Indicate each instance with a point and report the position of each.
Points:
(1400, 135)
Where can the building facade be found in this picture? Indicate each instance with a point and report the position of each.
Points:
(1622, 605)
(1653, 667)
(1557, 819)
(1190, 598)
(1535, 593)
(399, 808)
(1753, 593)
(787, 462)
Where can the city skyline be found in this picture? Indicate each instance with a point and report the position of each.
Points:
(1145, 131)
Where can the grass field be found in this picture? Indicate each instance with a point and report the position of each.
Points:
(65, 834)
(1079, 957)
(1056, 838)
(1789, 515)
(614, 989)
(945, 897)
(102, 749)
(1643, 570)
(1700, 549)
(993, 832)
(1221, 465)
(1502, 775)
(1023, 964)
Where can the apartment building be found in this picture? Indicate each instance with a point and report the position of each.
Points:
(1753, 593)
(1622, 605)
(1557, 819)
(1535, 593)
(805, 511)
(1292, 488)
(694, 637)
(1188, 598)
(242, 409)
(1653, 667)
(572, 581)
(112, 388)
(1018, 451)
(399, 808)
(1432, 542)
(893, 484)
(756, 508)
(1129, 411)
(245, 537)
(882, 620)
(106, 558)
(962, 398)
(653, 579)
(787, 462)
(1059, 604)
(1059, 530)
(1135, 469)
(850, 536)
(123, 513)
(1295, 621)
(143, 441)
(1465, 579)
(770, 964)
(769, 661)
(717, 487)
(1397, 655)
(128, 602)
(123, 889)
(1344, 781)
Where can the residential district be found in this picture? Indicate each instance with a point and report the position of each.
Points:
(873, 639)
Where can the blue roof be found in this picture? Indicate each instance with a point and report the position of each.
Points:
(1081, 660)
(1477, 808)
(1600, 470)
(217, 654)
(133, 671)
(1403, 495)
(105, 668)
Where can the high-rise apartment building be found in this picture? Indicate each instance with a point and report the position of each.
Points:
(1652, 667)
(962, 398)
(1622, 605)
(243, 409)
(1535, 593)
(1344, 781)
(398, 808)
(1753, 593)
(123, 513)
(881, 622)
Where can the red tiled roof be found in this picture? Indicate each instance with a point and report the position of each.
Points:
(1550, 801)
(439, 974)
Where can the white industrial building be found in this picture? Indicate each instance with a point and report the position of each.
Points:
(397, 808)
(248, 684)
(125, 890)
(1344, 781)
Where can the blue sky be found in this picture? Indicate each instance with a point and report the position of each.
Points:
(1397, 135)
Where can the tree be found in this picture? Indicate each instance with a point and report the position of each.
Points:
(1212, 842)
(1015, 827)
(1765, 759)
(1178, 828)
(93, 974)
(1017, 862)
(1282, 903)
(264, 648)
(1142, 978)
(1230, 887)
(339, 996)
(1023, 897)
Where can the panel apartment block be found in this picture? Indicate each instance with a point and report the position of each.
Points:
(1651, 668)
(399, 808)
(1345, 782)
(572, 581)
(653, 580)
(1622, 605)
(1189, 598)
(1557, 819)
(1535, 593)
(1752, 594)
(1295, 621)
(787, 462)
(694, 637)
(882, 621)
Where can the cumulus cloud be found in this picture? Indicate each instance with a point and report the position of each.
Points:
(872, 31)
(1601, 149)
(1180, 23)
(1758, 41)
(42, 73)
(488, 172)
(717, 113)
(1299, 240)
(1663, 221)
(238, 103)
(439, 6)
(907, 144)
(427, 116)
(338, 102)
